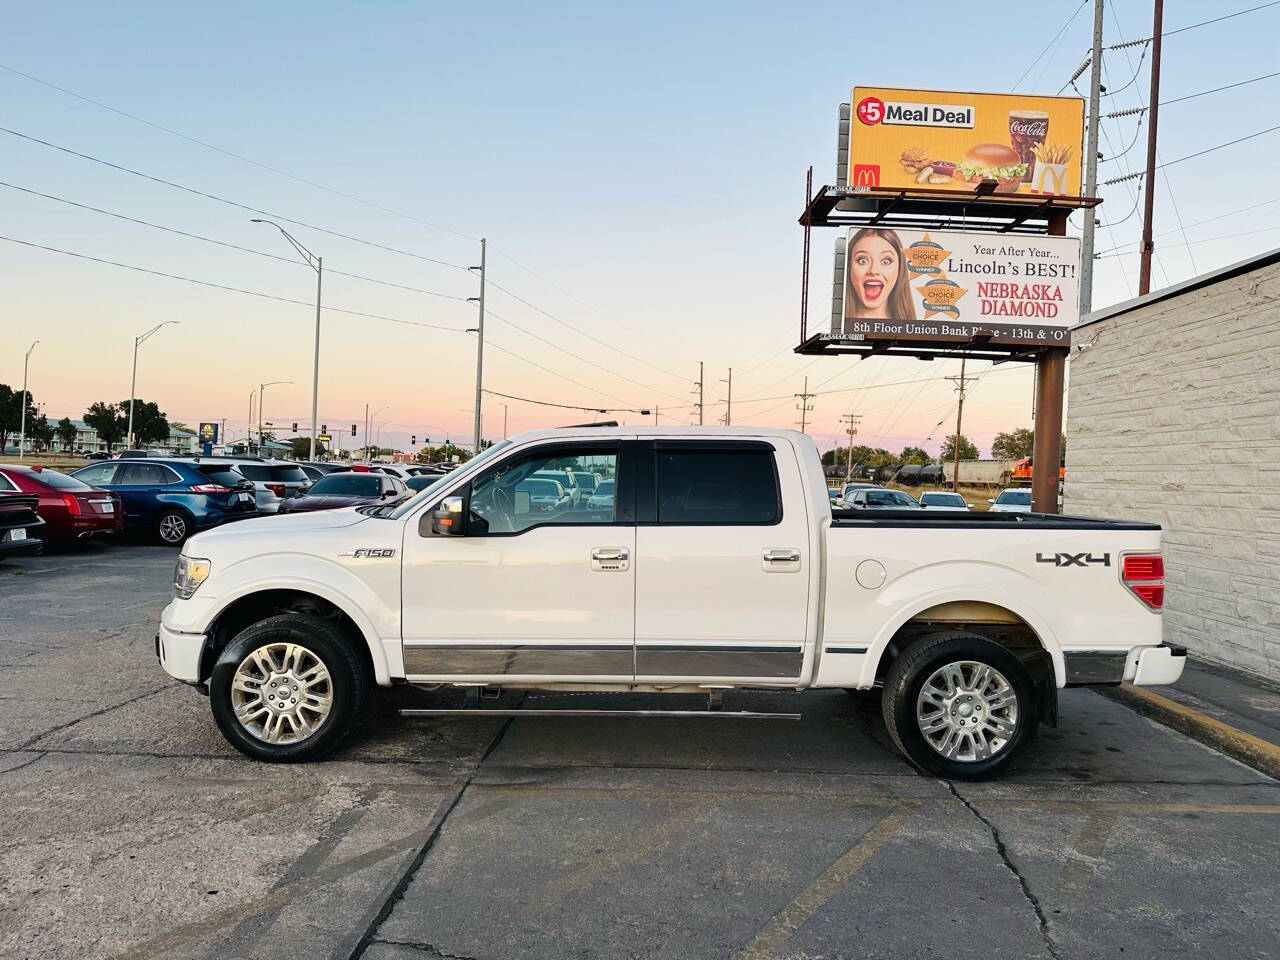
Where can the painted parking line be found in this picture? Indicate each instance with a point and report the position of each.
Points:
(790, 918)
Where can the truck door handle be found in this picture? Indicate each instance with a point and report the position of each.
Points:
(610, 559)
(781, 556)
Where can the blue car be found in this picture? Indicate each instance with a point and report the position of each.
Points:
(172, 500)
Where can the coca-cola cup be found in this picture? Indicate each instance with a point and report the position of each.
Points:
(1026, 129)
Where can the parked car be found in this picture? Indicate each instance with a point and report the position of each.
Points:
(1012, 500)
(960, 619)
(143, 454)
(602, 496)
(545, 495)
(346, 490)
(70, 508)
(568, 483)
(97, 455)
(587, 482)
(420, 482)
(941, 500)
(880, 498)
(403, 471)
(273, 480)
(20, 525)
(169, 499)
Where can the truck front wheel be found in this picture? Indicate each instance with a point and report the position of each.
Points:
(959, 706)
(288, 689)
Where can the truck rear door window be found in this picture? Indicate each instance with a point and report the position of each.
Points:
(713, 487)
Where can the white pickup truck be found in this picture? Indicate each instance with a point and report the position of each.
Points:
(708, 559)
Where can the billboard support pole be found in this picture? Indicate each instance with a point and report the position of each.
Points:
(1091, 163)
(1153, 104)
(804, 278)
(1046, 451)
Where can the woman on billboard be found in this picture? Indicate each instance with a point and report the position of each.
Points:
(876, 278)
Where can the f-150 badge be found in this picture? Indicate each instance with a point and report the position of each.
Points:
(367, 552)
(1074, 559)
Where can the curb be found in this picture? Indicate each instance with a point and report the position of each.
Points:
(1260, 754)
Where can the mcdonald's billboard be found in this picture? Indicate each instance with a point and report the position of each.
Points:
(934, 140)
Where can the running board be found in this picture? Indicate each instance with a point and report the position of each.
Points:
(485, 712)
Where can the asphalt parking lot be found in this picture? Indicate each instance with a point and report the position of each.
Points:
(131, 829)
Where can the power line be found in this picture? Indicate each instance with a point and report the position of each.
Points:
(1205, 23)
(555, 373)
(1221, 216)
(1061, 31)
(232, 154)
(1118, 252)
(222, 243)
(1192, 156)
(231, 289)
(569, 406)
(232, 203)
(1192, 96)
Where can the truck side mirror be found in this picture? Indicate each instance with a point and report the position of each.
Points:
(446, 518)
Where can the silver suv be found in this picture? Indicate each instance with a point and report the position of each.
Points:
(273, 480)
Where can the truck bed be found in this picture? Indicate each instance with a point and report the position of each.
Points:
(983, 519)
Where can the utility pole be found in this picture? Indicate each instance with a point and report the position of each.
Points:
(728, 408)
(22, 430)
(1091, 162)
(853, 419)
(1149, 184)
(804, 406)
(365, 431)
(955, 476)
(655, 414)
(475, 443)
(248, 428)
(700, 379)
(504, 421)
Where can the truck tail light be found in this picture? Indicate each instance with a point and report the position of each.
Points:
(73, 504)
(209, 488)
(278, 489)
(1143, 574)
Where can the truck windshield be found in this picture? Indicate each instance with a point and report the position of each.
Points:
(469, 467)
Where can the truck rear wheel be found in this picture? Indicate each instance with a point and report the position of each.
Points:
(288, 689)
(959, 706)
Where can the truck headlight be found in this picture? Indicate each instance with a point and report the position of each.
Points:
(190, 573)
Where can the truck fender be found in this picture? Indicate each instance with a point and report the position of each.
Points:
(383, 652)
(922, 601)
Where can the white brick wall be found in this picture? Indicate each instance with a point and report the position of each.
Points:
(1174, 417)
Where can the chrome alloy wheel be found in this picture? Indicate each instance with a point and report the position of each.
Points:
(173, 528)
(967, 711)
(281, 693)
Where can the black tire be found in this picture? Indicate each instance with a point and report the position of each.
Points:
(348, 685)
(173, 527)
(907, 677)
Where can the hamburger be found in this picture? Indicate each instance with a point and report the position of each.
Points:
(992, 161)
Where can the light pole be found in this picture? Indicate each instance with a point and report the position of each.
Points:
(316, 264)
(248, 427)
(133, 381)
(504, 421)
(368, 425)
(261, 419)
(479, 330)
(22, 430)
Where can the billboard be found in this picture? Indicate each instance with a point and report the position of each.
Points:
(208, 433)
(935, 140)
(944, 287)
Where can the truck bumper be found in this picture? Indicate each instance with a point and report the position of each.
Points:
(1158, 665)
(179, 653)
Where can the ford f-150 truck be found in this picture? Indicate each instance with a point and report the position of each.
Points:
(715, 563)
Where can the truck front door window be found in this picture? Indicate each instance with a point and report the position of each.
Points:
(538, 489)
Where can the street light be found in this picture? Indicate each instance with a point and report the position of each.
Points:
(22, 430)
(133, 382)
(316, 264)
(368, 421)
(261, 418)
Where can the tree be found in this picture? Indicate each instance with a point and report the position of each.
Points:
(66, 433)
(41, 432)
(302, 447)
(1013, 445)
(968, 449)
(11, 413)
(150, 425)
(109, 423)
(915, 455)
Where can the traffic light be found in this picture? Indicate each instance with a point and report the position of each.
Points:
(353, 429)
(413, 441)
(324, 428)
(295, 426)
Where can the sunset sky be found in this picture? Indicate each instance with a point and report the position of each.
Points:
(638, 170)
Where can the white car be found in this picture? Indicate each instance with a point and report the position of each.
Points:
(941, 500)
(719, 566)
(1012, 500)
(880, 498)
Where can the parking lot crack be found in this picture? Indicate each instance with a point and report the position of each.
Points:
(1041, 920)
(429, 949)
(89, 716)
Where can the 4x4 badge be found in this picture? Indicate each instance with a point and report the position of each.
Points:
(1074, 559)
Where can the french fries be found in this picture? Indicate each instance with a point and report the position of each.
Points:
(1052, 152)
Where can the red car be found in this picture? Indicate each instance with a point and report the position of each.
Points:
(70, 508)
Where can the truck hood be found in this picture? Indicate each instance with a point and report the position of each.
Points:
(285, 527)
